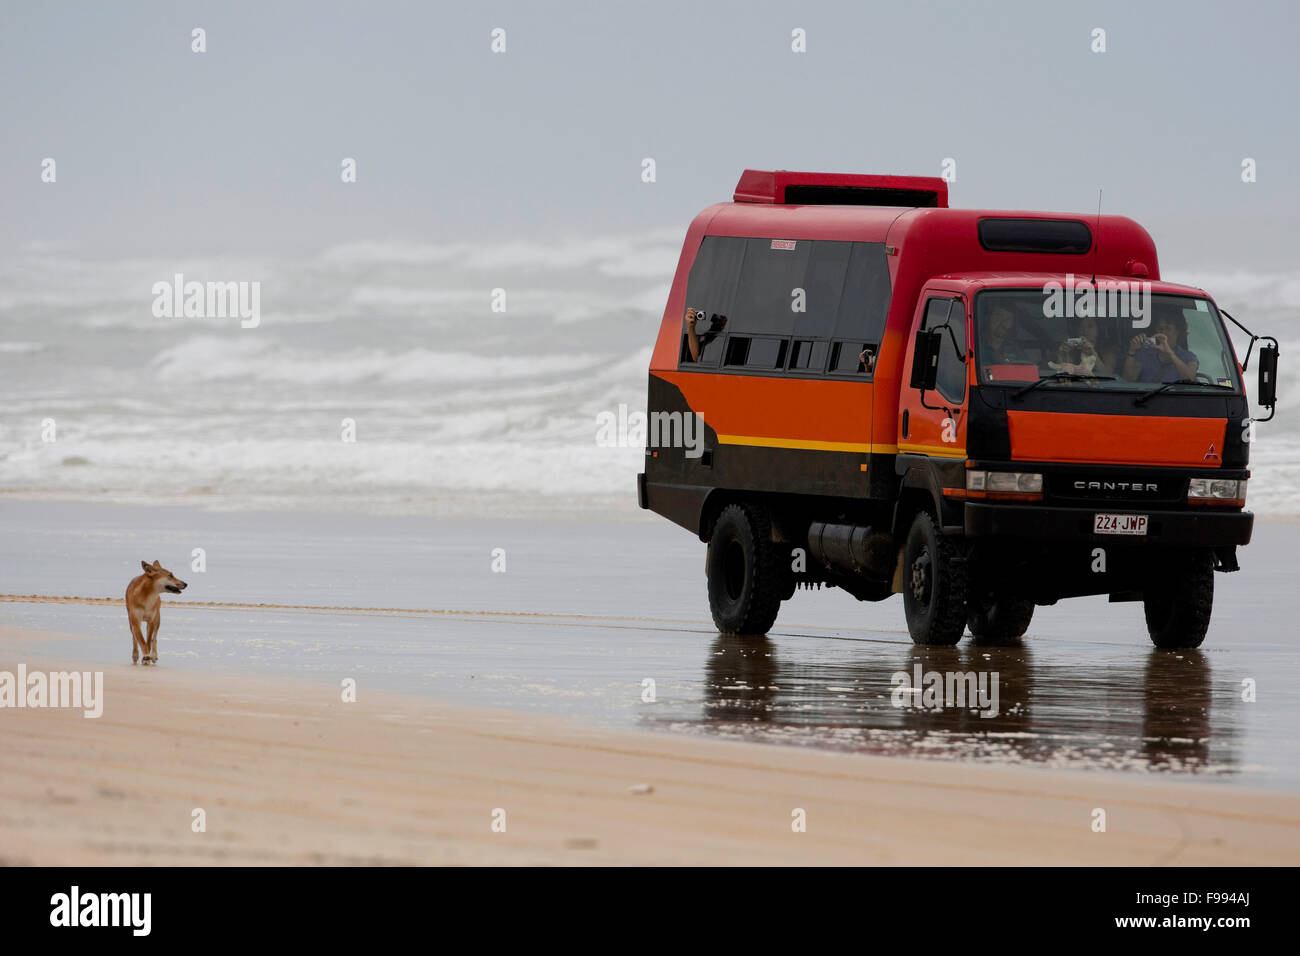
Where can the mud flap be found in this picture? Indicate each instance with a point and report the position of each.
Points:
(1225, 559)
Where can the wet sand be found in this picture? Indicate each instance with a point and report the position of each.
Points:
(588, 609)
(287, 773)
(524, 690)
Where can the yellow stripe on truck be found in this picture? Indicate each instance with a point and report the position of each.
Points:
(933, 451)
(762, 441)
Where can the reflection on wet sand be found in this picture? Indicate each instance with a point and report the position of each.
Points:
(1069, 712)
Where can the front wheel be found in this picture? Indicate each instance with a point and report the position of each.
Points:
(744, 571)
(934, 585)
(1178, 607)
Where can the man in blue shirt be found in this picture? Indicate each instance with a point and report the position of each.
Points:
(1160, 358)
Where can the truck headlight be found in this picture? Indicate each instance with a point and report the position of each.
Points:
(1206, 490)
(1019, 482)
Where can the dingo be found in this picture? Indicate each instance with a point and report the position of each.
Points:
(143, 604)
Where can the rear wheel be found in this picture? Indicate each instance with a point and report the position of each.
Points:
(1178, 607)
(999, 618)
(744, 571)
(934, 585)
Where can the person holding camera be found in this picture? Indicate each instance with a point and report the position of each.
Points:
(1159, 357)
(1085, 352)
(692, 337)
(1076, 356)
(695, 342)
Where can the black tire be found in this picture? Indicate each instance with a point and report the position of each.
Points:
(1178, 613)
(934, 585)
(744, 569)
(999, 619)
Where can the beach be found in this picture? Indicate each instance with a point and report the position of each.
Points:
(525, 691)
(287, 773)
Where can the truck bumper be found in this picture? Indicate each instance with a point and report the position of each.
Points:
(1206, 529)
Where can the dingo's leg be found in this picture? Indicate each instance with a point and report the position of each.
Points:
(137, 640)
(151, 649)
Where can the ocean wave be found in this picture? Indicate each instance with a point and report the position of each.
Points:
(646, 255)
(324, 467)
(399, 336)
(212, 358)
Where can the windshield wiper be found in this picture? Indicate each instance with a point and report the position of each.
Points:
(1142, 399)
(1061, 377)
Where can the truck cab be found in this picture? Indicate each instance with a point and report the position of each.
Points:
(1103, 449)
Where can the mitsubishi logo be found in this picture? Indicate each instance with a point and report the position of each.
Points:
(1212, 455)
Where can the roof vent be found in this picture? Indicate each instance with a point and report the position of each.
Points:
(1063, 236)
(840, 189)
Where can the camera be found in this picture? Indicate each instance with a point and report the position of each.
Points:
(1074, 342)
(1148, 341)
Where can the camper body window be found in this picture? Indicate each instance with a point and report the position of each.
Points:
(805, 307)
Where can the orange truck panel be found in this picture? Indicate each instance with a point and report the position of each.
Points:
(780, 412)
(1126, 439)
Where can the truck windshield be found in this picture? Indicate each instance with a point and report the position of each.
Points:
(1132, 341)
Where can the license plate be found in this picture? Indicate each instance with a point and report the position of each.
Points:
(1119, 524)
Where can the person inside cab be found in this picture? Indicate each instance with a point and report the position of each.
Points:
(1163, 355)
(1088, 350)
(1003, 342)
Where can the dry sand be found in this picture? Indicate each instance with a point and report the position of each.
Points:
(289, 774)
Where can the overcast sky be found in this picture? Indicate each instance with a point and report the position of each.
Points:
(162, 151)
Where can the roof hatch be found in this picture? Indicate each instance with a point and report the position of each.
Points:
(784, 187)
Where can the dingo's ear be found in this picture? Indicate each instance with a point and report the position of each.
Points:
(145, 565)
(157, 565)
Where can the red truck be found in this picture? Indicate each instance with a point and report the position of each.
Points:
(982, 410)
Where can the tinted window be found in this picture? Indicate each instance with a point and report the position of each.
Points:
(711, 288)
(951, 380)
(769, 278)
(844, 357)
(864, 305)
(767, 353)
(1062, 236)
(737, 350)
(787, 299)
(823, 285)
(808, 355)
(936, 313)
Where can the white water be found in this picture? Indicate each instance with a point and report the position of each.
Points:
(449, 397)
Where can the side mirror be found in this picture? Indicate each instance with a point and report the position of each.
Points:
(928, 372)
(920, 359)
(1267, 359)
(936, 345)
